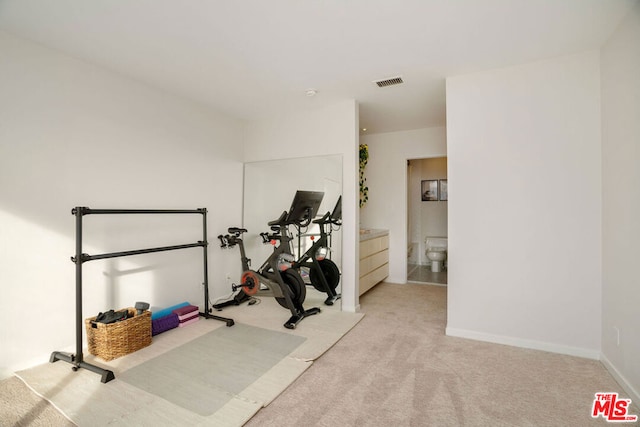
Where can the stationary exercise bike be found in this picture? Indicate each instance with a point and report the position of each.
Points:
(275, 278)
(324, 274)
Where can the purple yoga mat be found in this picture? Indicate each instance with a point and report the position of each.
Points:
(165, 323)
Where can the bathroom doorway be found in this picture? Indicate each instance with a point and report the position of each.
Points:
(427, 218)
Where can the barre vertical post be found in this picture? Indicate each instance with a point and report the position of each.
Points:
(206, 261)
(77, 359)
(205, 309)
(78, 212)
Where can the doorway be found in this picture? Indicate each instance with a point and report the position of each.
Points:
(427, 217)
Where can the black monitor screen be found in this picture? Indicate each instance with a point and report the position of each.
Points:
(305, 206)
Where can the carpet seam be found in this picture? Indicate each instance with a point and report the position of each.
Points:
(44, 398)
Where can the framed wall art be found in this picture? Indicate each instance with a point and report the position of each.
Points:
(429, 190)
(444, 193)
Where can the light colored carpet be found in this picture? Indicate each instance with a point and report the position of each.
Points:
(271, 361)
(397, 368)
(20, 407)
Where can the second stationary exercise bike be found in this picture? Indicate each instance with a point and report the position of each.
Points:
(324, 274)
(275, 278)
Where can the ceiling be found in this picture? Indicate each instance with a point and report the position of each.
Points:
(251, 58)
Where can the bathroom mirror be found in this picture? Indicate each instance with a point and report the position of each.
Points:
(269, 189)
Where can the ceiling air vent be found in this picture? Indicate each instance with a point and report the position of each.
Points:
(389, 82)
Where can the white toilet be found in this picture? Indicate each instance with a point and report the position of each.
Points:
(436, 252)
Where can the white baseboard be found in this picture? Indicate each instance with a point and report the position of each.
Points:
(620, 379)
(351, 309)
(524, 343)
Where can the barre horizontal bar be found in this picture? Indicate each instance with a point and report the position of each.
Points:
(86, 257)
(89, 211)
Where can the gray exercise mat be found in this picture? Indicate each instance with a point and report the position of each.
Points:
(205, 373)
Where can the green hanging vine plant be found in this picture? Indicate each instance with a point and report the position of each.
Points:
(364, 190)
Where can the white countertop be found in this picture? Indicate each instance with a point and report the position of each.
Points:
(371, 233)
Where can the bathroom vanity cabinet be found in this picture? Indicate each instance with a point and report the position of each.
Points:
(374, 258)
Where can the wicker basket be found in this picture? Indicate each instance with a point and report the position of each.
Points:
(109, 341)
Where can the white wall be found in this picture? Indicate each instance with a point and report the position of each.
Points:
(269, 188)
(72, 134)
(319, 132)
(621, 202)
(525, 187)
(386, 175)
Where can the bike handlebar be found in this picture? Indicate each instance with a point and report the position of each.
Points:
(229, 241)
(267, 238)
(327, 219)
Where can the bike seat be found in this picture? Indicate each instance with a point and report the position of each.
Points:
(236, 230)
(280, 221)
